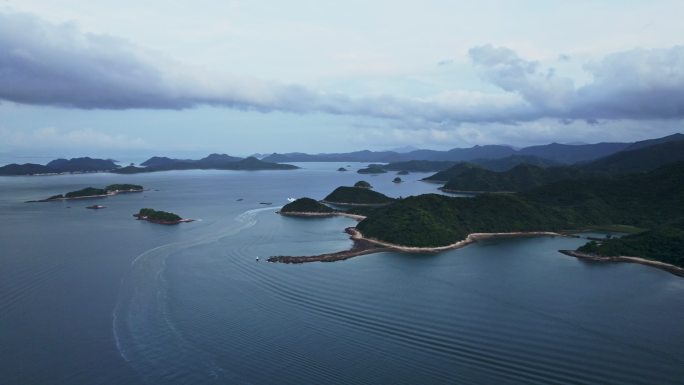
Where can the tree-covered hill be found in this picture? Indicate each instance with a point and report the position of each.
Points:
(519, 178)
(357, 195)
(306, 205)
(653, 200)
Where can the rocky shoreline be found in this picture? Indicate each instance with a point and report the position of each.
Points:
(676, 270)
(360, 247)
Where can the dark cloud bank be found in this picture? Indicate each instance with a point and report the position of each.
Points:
(59, 65)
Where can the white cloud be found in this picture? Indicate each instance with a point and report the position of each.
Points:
(48, 64)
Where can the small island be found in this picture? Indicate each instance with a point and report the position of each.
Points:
(160, 217)
(372, 169)
(397, 180)
(341, 169)
(403, 172)
(93, 192)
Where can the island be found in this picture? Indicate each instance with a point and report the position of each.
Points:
(60, 166)
(397, 180)
(211, 162)
(341, 169)
(93, 192)
(160, 217)
(403, 172)
(372, 169)
(357, 196)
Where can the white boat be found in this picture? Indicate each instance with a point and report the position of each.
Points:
(257, 259)
(291, 199)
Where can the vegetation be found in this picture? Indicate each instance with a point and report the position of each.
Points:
(403, 172)
(419, 165)
(341, 169)
(652, 200)
(84, 164)
(452, 172)
(356, 195)
(397, 180)
(306, 205)
(664, 243)
(436, 220)
(507, 163)
(640, 159)
(26, 169)
(519, 178)
(211, 162)
(372, 169)
(362, 184)
(86, 192)
(124, 187)
(156, 215)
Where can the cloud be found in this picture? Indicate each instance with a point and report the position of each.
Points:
(52, 138)
(638, 84)
(59, 65)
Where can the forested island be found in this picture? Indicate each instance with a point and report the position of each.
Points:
(212, 162)
(372, 169)
(156, 163)
(93, 192)
(160, 217)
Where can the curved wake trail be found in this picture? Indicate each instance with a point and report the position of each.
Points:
(145, 335)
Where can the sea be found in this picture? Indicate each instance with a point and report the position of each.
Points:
(97, 297)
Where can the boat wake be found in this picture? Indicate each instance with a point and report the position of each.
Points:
(145, 333)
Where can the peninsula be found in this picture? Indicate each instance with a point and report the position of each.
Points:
(431, 222)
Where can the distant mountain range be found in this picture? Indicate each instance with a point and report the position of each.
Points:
(59, 166)
(615, 157)
(640, 158)
(560, 153)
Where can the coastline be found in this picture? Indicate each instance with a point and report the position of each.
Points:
(676, 270)
(471, 238)
(321, 215)
(356, 204)
(364, 246)
(107, 195)
(161, 222)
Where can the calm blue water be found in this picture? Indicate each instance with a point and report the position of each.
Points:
(96, 297)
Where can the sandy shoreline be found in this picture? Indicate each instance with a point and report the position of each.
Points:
(322, 215)
(676, 270)
(363, 245)
(471, 238)
(356, 204)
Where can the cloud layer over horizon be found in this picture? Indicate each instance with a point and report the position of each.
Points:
(59, 65)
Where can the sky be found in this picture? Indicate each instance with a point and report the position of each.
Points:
(117, 78)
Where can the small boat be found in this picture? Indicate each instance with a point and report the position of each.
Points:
(95, 207)
(291, 199)
(257, 259)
